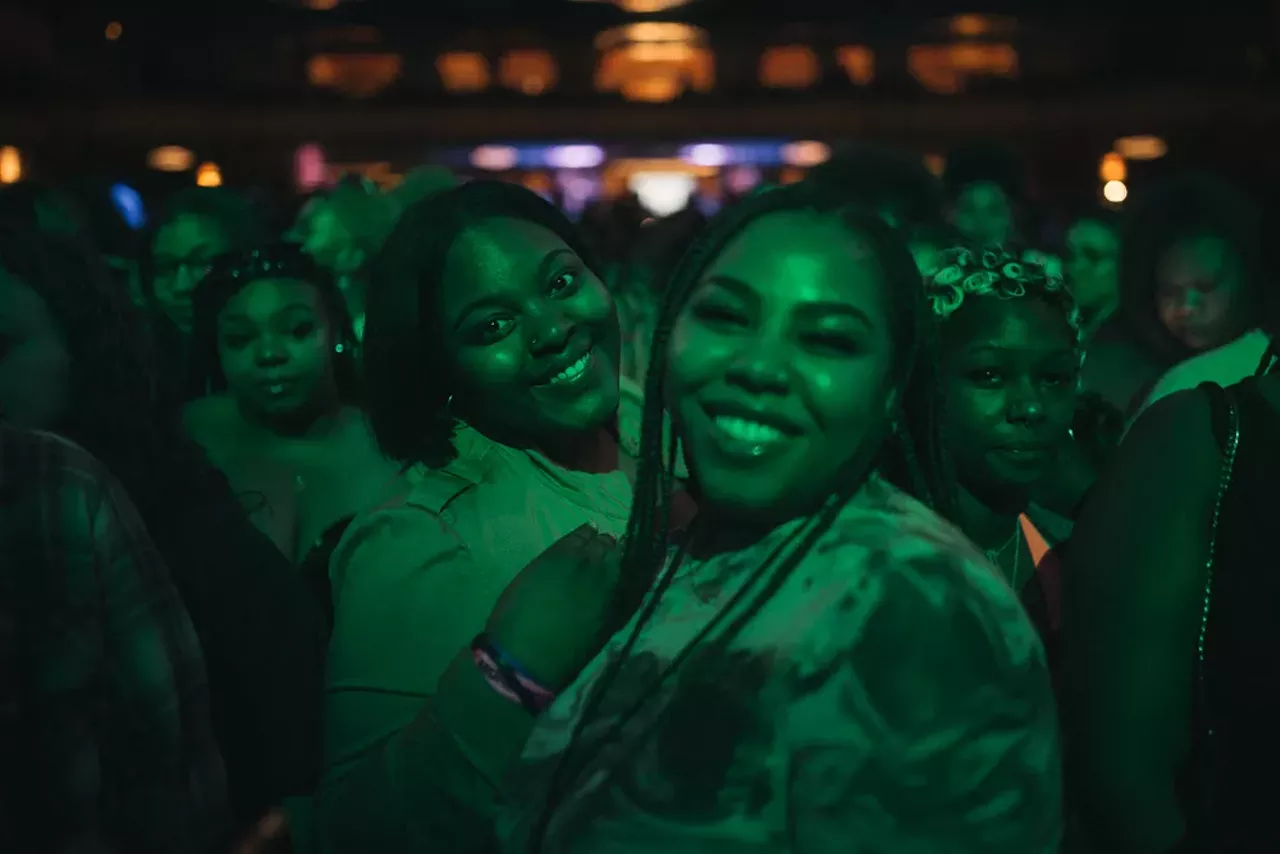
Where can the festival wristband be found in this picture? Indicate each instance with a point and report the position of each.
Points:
(508, 678)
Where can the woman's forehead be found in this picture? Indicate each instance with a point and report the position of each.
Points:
(495, 253)
(1025, 323)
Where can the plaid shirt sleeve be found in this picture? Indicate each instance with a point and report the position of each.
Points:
(122, 754)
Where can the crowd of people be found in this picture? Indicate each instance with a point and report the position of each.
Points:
(870, 514)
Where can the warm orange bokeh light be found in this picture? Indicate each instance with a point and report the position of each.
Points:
(209, 175)
(463, 71)
(946, 69)
(1112, 167)
(859, 62)
(357, 74)
(654, 61)
(529, 71)
(792, 66)
(10, 165)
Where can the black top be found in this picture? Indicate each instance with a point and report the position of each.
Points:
(263, 635)
(1235, 807)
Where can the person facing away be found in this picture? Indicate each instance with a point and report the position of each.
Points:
(282, 419)
(491, 362)
(342, 229)
(105, 737)
(1170, 633)
(75, 358)
(824, 664)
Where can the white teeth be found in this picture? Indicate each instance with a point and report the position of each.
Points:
(573, 371)
(748, 431)
(277, 388)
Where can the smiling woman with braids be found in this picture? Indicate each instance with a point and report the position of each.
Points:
(824, 665)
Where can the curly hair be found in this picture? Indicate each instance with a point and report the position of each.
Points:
(407, 376)
(231, 273)
(960, 275)
(961, 272)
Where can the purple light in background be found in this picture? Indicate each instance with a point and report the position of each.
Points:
(309, 167)
(577, 191)
(575, 156)
(707, 154)
(742, 179)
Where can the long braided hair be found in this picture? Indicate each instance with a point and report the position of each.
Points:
(648, 528)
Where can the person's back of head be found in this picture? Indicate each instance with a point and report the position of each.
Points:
(108, 397)
(892, 183)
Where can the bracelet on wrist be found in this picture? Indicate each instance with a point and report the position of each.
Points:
(508, 677)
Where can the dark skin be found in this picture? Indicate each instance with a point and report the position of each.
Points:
(1133, 594)
(275, 344)
(180, 257)
(520, 310)
(1008, 396)
(781, 371)
(281, 427)
(790, 330)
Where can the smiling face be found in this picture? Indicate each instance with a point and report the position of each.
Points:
(530, 334)
(1008, 375)
(781, 365)
(275, 346)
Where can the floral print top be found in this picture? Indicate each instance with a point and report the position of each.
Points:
(890, 696)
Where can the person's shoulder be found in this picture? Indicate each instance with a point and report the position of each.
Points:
(49, 458)
(416, 500)
(922, 568)
(884, 518)
(1179, 421)
(1225, 365)
(210, 420)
